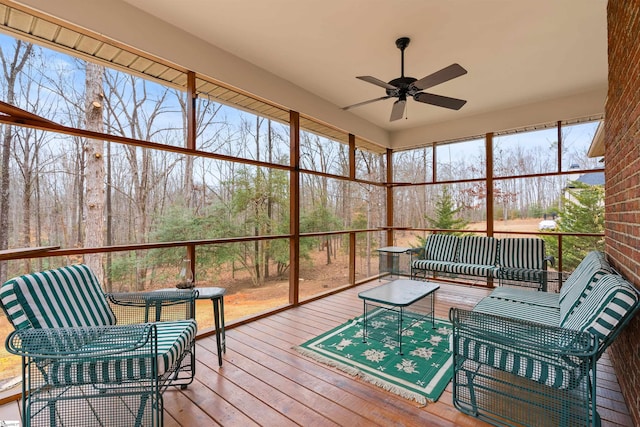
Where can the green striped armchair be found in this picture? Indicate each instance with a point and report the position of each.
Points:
(95, 359)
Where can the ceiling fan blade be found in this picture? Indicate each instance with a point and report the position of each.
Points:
(376, 82)
(440, 101)
(348, 107)
(446, 74)
(398, 110)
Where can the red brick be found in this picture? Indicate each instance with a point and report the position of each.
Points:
(622, 155)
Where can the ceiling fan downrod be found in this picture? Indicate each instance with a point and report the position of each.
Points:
(402, 44)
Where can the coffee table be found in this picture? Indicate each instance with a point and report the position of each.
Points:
(387, 304)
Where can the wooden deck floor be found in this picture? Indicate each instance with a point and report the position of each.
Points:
(263, 381)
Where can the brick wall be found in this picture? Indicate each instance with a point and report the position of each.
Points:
(622, 169)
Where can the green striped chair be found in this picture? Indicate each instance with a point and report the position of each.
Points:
(96, 359)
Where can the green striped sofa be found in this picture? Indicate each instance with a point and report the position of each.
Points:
(95, 359)
(529, 358)
(518, 261)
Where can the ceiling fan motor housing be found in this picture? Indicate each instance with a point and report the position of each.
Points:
(404, 86)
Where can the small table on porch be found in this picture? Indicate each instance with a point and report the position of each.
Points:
(216, 295)
(392, 299)
(389, 259)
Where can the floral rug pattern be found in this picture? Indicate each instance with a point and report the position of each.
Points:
(421, 373)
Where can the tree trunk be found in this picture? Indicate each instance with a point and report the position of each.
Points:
(108, 284)
(12, 67)
(4, 197)
(26, 201)
(188, 184)
(78, 182)
(94, 172)
(38, 208)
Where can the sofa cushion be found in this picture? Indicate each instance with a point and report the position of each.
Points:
(544, 299)
(441, 247)
(424, 264)
(481, 250)
(581, 281)
(603, 308)
(528, 253)
(174, 338)
(65, 297)
(488, 271)
(518, 310)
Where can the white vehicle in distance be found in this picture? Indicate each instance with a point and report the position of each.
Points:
(547, 224)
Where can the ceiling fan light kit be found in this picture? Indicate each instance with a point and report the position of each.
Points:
(402, 87)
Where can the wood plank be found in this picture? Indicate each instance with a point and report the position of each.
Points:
(296, 384)
(243, 398)
(265, 391)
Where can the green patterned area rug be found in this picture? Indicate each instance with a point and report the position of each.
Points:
(421, 373)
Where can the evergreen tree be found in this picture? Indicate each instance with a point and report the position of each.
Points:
(582, 212)
(446, 215)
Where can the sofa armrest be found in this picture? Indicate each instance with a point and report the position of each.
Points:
(522, 336)
(142, 307)
(550, 260)
(142, 299)
(80, 343)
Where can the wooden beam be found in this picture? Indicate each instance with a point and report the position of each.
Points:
(192, 97)
(559, 146)
(489, 176)
(389, 189)
(352, 236)
(294, 208)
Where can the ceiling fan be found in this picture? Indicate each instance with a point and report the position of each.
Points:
(409, 86)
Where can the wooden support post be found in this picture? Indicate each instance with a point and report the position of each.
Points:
(294, 209)
(489, 175)
(389, 189)
(352, 236)
(192, 96)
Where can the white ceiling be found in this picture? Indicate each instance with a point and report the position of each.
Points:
(528, 61)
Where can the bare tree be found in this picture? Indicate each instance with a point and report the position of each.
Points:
(12, 65)
(26, 154)
(138, 109)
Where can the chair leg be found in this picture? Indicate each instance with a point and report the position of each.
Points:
(52, 412)
(472, 392)
(216, 318)
(140, 415)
